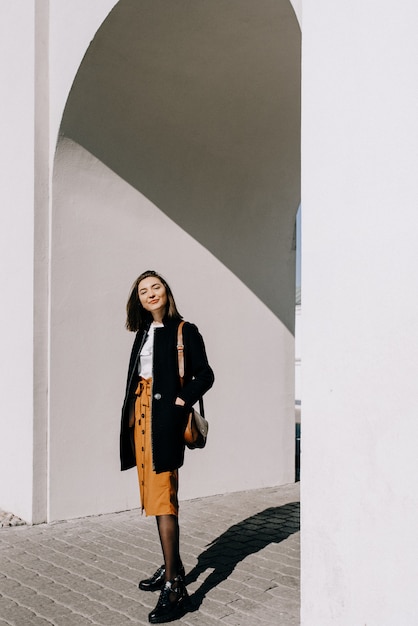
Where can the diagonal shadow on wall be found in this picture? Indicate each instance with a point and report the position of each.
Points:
(197, 106)
(249, 536)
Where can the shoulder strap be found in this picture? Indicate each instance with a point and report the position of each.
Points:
(180, 351)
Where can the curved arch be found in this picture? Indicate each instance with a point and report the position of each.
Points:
(73, 26)
(204, 120)
(179, 149)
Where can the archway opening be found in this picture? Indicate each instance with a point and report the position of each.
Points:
(180, 149)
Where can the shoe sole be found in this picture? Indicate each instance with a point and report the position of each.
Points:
(157, 588)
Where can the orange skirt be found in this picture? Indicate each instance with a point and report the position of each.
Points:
(158, 492)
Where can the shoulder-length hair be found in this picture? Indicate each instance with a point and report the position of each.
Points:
(137, 318)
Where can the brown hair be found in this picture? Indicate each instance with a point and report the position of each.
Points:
(136, 316)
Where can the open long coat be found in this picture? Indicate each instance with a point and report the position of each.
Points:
(167, 418)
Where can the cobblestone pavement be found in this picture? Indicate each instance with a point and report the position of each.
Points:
(241, 552)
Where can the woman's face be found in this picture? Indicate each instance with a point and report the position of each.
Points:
(153, 296)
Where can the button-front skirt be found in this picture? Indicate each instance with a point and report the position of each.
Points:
(158, 492)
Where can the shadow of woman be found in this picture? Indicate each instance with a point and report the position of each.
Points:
(272, 525)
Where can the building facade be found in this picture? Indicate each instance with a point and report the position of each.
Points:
(147, 134)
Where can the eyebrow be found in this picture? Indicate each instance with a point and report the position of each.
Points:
(145, 288)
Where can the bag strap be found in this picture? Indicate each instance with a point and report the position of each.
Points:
(180, 351)
(180, 356)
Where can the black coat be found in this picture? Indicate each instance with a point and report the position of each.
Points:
(167, 418)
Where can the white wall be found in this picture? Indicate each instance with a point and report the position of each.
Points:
(16, 255)
(42, 45)
(298, 354)
(57, 34)
(72, 28)
(105, 234)
(360, 314)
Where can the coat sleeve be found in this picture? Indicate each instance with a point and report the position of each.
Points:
(199, 375)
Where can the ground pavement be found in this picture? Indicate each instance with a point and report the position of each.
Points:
(241, 553)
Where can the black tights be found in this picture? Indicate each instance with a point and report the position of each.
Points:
(168, 529)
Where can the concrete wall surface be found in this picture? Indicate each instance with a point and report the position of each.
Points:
(298, 355)
(104, 234)
(16, 255)
(222, 184)
(359, 343)
(42, 44)
(72, 27)
(360, 314)
(46, 232)
(205, 122)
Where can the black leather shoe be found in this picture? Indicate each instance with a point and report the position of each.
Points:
(172, 603)
(156, 582)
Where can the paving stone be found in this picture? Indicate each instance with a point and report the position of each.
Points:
(241, 553)
(237, 619)
(215, 609)
(18, 615)
(87, 607)
(111, 618)
(200, 619)
(72, 620)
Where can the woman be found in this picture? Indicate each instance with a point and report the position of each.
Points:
(153, 420)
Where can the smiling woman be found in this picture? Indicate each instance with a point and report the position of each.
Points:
(153, 297)
(153, 420)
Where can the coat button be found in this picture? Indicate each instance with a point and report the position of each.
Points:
(157, 396)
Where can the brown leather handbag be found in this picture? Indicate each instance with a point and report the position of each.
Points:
(196, 429)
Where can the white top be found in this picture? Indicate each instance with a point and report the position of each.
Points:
(145, 359)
